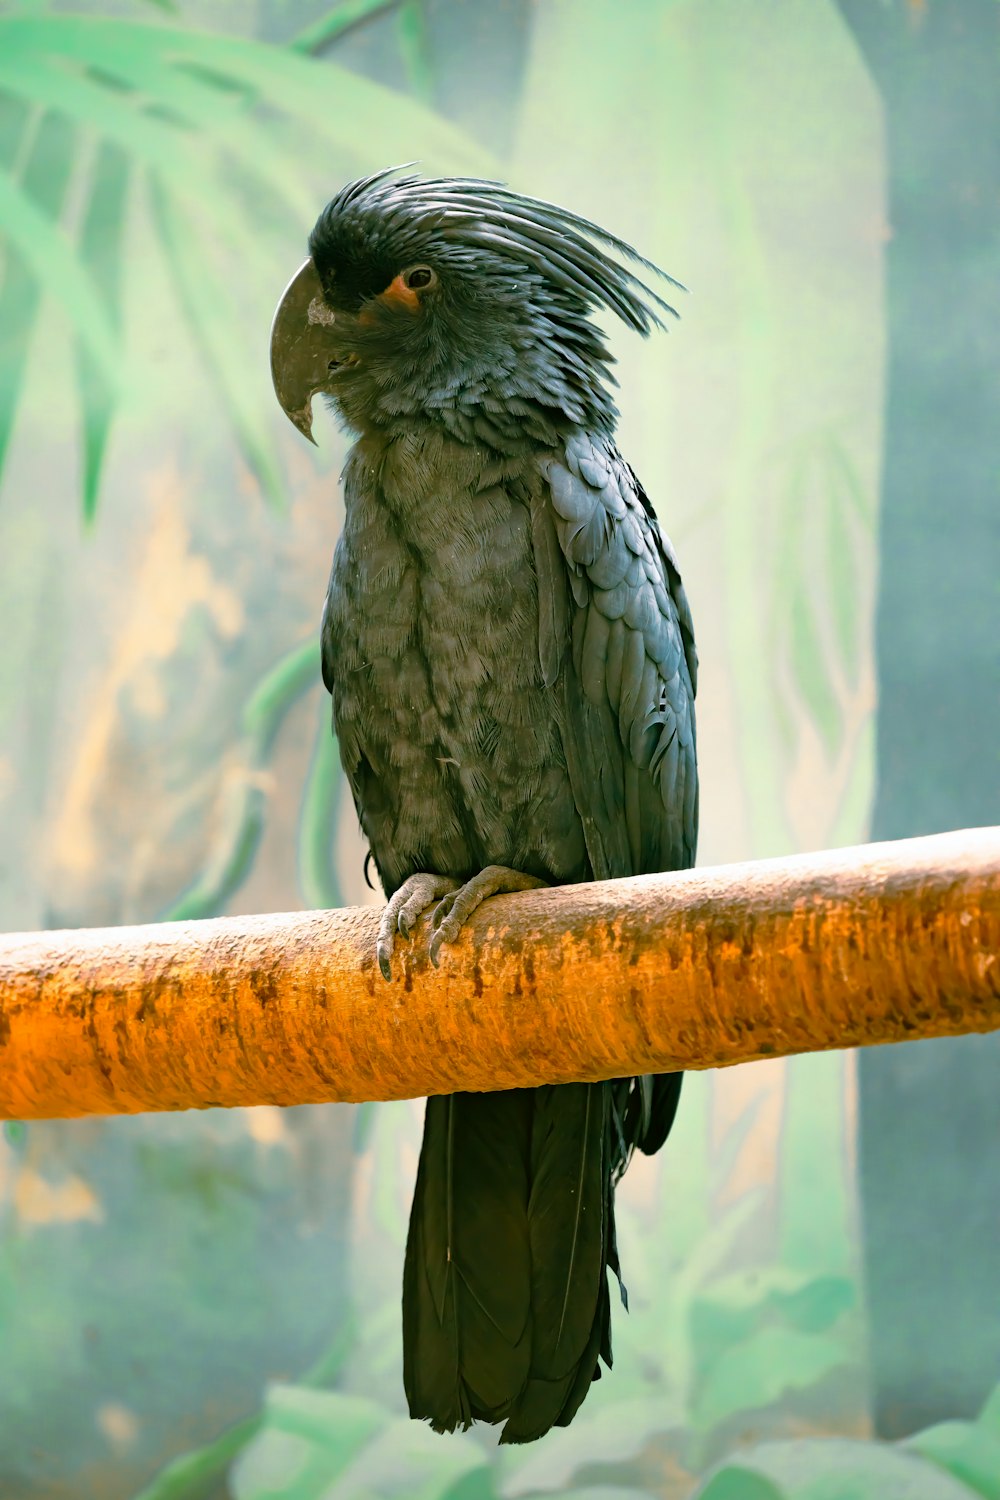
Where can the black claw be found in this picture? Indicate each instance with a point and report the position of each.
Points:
(385, 964)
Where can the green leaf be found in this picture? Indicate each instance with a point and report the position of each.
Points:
(306, 1439)
(318, 819)
(850, 826)
(830, 1469)
(735, 1139)
(245, 800)
(411, 29)
(44, 178)
(184, 103)
(214, 323)
(308, 89)
(101, 252)
(817, 1304)
(407, 1461)
(736, 1483)
(329, 1446)
(716, 1242)
(967, 1450)
(274, 695)
(477, 1484)
(332, 99)
(214, 111)
(600, 1434)
(48, 254)
(604, 1492)
(114, 115)
(842, 572)
(241, 827)
(989, 1417)
(191, 1476)
(16, 123)
(809, 666)
(730, 1309)
(339, 1423)
(195, 1475)
(364, 1124)
(761, 1370)
(340, 18)
(864, 503)
(188, 162)
(787, 566)
(815, 1233)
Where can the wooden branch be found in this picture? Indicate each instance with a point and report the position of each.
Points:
(700, 969)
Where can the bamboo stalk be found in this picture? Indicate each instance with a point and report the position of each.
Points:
(699, 969)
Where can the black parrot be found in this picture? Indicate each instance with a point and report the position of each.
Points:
(511, 659)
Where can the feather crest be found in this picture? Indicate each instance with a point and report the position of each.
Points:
(570, 251)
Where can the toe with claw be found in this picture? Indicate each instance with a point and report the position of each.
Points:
(457, 906)
(405, 907)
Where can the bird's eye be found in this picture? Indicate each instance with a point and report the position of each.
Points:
(418, 278)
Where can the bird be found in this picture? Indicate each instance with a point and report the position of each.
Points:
(510, 656)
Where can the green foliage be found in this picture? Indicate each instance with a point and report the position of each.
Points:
(757, 1333)
(731, 1337)
(242, 824)
(412, 32)
(210, 142)
(318, 821)
(705, 1343)
(313, 38)
(318, 1445)
(43, 156)
(610, 1437)
(54, 266)
(968, 1450)
(950, 1461)
(212, 129)
(737, 1483)
(193, 1475)
(823, 534)
(102, 237)
(761, 1370)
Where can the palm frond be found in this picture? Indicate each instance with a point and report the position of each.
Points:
(212, 317)
(244, 809)
(101, 247)
(338, 19)
(318, 819)
(53, 262)
(197, 113)
(40, 148)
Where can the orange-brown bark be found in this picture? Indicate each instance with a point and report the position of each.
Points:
(699, 969)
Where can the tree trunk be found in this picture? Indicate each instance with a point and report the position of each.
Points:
(929, 1156)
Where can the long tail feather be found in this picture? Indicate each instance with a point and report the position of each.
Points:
(567, 1219)
(467, 1276)
(506, 1307)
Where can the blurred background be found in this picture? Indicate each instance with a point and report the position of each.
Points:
(203, 1306)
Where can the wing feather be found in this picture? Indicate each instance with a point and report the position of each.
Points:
(633, 660)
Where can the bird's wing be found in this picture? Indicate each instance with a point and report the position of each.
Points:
(617, 643)
(342, 657)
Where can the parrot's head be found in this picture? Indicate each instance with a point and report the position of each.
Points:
(457, 301)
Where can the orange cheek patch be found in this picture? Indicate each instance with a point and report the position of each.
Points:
(398, 294)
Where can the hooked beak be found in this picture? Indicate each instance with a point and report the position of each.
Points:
(301, 347)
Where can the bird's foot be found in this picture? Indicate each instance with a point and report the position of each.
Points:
(405, 907)
(452, 913)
